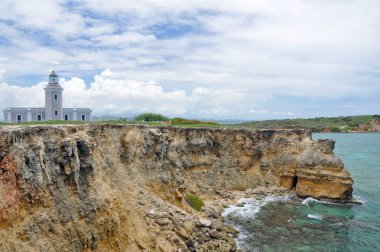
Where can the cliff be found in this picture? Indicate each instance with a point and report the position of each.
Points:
(122, 187)
(371, 126)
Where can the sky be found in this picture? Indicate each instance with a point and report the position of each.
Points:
(224, 59)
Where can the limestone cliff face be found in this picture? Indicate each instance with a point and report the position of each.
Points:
(121, 187)
(372, 126)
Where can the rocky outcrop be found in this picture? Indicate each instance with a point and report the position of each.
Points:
(121, 187)
(371, 126)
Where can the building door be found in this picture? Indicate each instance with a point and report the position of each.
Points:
(39, 118)
(83, 117)
(19, 118)
(66, 117)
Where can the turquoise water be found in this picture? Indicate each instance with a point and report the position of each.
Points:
(291, 224)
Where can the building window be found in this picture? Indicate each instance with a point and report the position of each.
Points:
(66, 117)
(19, 118)
(39, 118)
(56, 112)
(55, 97)
(83, 117)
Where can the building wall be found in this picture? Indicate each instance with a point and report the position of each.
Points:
(30, 114)
(27, 114)
(23, 113)
(86, 114)
(69, 113)
(75, 114)
(36, 113)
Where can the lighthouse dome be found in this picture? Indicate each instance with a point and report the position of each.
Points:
(53, 78)
(53, 74)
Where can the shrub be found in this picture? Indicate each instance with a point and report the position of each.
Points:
(194, 201)
(173, 164)
(151, 117)
(346, 129)
(334, 129)
(179, 120)
(288, 126)
(353, 125)
(346, 119)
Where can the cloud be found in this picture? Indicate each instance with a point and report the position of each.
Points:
(324, 51)
(112, 94)
(2, 72)
(16, 96)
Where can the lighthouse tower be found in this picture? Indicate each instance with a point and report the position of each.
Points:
(53, 99)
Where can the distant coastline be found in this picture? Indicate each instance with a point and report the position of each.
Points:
(346, 124)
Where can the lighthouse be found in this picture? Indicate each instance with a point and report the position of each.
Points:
(53, 99)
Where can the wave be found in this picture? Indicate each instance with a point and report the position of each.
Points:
(249, 207)
(315, 216)
(359, 199)
(310, 201)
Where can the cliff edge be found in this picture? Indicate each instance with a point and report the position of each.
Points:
(122, 187)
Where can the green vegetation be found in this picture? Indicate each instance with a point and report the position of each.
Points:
(179, 120)
(109, 118)
(156, 119)
(151, 117)
(334, 129)
(335, 124)
(51, 122)
(146, 118)
(183, 121)
(194, 201)
(173, 164)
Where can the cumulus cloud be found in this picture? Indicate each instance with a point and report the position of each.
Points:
(322, 52)
(112, 94)
(2, 71)
(16, 96)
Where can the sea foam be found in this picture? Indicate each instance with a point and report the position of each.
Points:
(251, 206)
(248, 208)
(310, 201)
(359, 199)
(315, 216)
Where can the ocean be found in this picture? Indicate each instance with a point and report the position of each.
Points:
(292, 224)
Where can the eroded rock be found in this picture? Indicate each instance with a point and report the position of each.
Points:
(122, 187)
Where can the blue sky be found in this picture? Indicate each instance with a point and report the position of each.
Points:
(201, 59)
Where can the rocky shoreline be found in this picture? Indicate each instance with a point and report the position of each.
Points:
(206, 230)
(124, 187)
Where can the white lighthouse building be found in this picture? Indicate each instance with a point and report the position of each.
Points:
(53, 109)
(53, 99)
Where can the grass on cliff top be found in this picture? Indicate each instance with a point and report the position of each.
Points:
(52, 122)
(183, 121)
(199, 124)
(334, 124)
(150, 119)
(194, 201)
